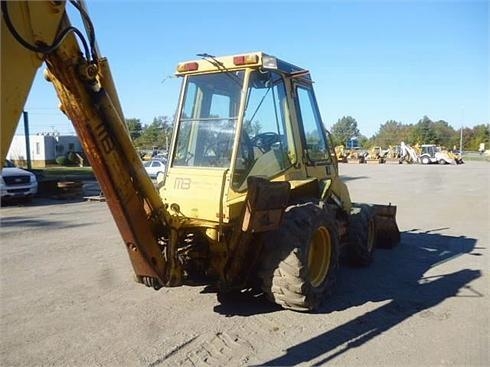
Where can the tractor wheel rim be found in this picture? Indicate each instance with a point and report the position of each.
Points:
(319, 256)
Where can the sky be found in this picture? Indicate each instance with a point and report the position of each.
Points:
(372, 60)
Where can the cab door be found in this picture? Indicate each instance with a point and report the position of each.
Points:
(317, 156)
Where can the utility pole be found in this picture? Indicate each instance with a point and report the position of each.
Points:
(28, 144)
(461, 134)
(461, 141)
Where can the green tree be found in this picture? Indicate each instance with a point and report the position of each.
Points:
(392, 133)
(158, 134)
(423, 132)
(134, 127)
(445, 135)
(472, 137)
(439, 132)
(363, 141)
(482, 135)
(344, 129)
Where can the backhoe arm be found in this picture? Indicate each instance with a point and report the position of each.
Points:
(33, 32)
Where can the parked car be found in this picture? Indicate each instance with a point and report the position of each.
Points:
(161, 157)
(16, 182)
(154, 167)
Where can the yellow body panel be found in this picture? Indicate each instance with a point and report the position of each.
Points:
(197, 192)
(18, 64)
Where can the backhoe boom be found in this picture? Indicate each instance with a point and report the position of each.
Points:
(85, 90)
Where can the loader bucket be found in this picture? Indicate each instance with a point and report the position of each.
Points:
(387, 232)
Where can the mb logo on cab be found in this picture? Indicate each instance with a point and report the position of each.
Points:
(182, 183)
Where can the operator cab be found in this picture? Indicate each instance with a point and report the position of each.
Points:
(212, 120)
(237, 118)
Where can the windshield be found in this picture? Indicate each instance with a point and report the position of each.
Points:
(208, 120)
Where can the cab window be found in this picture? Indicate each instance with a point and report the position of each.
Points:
(314, 138)
(266, 142)
(207, 123)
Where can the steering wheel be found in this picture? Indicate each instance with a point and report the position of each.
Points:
(265, 141)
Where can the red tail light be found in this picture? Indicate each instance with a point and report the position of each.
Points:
(190, 66)
(245, 59)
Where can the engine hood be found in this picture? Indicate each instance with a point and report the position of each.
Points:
(14, 171)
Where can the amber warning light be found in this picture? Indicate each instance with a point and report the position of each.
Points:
(189, 66)
(245, 59)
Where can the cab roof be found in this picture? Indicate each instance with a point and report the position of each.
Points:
(209, 63)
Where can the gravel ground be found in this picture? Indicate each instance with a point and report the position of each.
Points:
(67, 295)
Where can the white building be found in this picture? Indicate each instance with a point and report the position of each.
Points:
(44, 148)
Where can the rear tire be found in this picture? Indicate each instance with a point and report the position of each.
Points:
(361, 235)
(425, 160)
(300, 259)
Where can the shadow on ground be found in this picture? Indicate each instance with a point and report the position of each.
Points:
(40, 201)
(52, 197)
(398, 277)
(352, 178)
(23, 222)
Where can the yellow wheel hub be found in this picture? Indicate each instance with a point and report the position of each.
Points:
(319, 256)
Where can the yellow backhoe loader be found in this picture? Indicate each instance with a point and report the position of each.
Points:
(251, 196)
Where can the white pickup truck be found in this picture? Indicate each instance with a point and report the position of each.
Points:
(16, 182)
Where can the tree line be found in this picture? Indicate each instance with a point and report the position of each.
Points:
(158, 133)
(425, 131)
(155, 134)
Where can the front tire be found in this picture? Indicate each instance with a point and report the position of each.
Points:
(300, 259)
(425, 160)
(361, 235)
